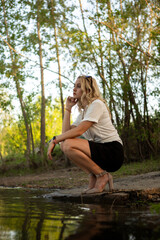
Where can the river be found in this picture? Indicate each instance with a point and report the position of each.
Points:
(26, 215)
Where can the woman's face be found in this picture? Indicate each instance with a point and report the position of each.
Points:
(77, 91)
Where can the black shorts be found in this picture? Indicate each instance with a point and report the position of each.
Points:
(109, 156)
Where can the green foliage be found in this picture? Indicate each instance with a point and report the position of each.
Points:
(53, 119)
(155, 208)
(14, 139)
(15, 134)
(57, 153)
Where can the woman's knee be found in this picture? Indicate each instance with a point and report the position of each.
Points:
(66, 145)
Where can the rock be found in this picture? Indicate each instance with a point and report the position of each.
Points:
(117, 197)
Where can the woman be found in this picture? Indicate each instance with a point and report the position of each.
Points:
(101, 150)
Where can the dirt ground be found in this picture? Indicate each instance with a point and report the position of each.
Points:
(73, 177)
(61, 179)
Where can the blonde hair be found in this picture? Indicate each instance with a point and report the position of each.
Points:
(90, 92)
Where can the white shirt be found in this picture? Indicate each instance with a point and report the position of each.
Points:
(102, 130)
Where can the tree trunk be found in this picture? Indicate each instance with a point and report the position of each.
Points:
(32, 140)
(18, 89)
(26, 120)
(42, 146)
(58, 58)
(1, 157)
(101, 52)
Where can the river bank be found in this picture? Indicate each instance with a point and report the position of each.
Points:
(70, 183)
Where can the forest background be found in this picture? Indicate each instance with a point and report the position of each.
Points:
(46, 44)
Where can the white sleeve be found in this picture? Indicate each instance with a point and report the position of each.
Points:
(94, 111)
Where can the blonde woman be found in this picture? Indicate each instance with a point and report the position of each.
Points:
(101, 150)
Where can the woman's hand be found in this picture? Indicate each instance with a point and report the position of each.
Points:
(71, 101)
(50, 149)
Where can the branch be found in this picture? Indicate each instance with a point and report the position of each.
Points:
(31, 59)
(120, 35)
(155, 6)
(151, 9)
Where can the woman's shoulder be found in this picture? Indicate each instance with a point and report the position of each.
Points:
(96, 105)
(98, 102)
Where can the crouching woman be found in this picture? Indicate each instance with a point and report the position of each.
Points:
(100, 152)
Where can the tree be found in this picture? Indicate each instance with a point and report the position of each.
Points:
(15, 73)
(52, 6)
(117, 49)
(13, 132)
(39, 5)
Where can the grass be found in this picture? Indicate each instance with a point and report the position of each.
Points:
(67, 177)
(19, 168)
(155, 208)
(135, 168)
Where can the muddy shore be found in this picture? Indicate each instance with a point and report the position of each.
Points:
(68, 184)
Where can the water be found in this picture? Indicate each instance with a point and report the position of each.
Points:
(26, 215)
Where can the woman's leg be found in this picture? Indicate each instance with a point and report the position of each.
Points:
(78, 151)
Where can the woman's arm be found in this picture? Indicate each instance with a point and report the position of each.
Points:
(75, 132)
(66, 121)
(72, 133)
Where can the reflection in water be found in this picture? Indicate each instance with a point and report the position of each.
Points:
(22, 216)
(25, 215)
(120, 223)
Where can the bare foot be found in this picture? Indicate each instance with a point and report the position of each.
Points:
(92, 182)
(101, 183)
